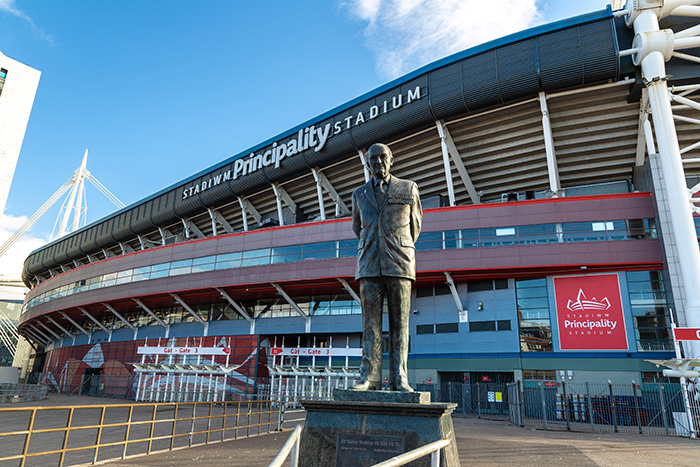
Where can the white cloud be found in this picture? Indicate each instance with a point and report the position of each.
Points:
(8, 6)
(407, 34)
(12, 261)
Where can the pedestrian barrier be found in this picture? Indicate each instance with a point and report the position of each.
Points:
(650, 408)
(17, 392)
(71, 435)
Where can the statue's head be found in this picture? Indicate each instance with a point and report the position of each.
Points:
(380, 160)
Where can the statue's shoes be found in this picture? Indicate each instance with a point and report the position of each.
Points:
(401, 387)
(367, 386)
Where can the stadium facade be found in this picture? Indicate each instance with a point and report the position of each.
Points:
(547, 247)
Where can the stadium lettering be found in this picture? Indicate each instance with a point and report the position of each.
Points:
(603, 323)
(305, 139)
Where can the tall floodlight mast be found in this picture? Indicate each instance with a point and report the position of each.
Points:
(73, 206)
(652, 47)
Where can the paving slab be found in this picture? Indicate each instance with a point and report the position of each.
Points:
(479, 442)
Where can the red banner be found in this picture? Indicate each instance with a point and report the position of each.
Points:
(687, 334)
(589, 313)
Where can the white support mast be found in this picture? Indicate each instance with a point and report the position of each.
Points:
(652, 47)
(73, 206)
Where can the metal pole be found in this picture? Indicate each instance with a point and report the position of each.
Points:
(521, 404)
(662, 401)
(613, 412)
(478, 397)
(684, 382)
(590, 407)
(544, 405)
(636, 406)
(565, 404)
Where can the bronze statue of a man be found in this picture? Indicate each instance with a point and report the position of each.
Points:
(386, 217)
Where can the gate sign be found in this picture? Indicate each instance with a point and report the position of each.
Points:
(589, 313)
(687, 334)
(316, 351)
(183, 350)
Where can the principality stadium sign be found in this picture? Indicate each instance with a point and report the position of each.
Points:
(311, 137)
(589, 313)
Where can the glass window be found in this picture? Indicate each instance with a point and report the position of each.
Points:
(537, 234)
(109, 280)
(451, 239)
(160, 270)
(429, 241)
(178, 268)
(498, 236)
(650, 308)
(503, 325)
(140, 274)
(470, 238)
(286, 254)
(443, 328)
(228, 261)
(256, 257)
(424, 329)
(321, 250)
(482, 326)
(124, 277)
(533, 315)
(479, 286)
(347, 247)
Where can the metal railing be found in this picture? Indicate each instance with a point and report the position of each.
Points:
(646, 408)
(81, 434)
(18, 392)
(291, 447)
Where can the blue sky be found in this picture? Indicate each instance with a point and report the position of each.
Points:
(159, 90)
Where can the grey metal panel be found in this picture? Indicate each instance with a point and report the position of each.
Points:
(446, 99)
(140, 222)
(480, 81)
(73, 246)
(220, 193)
(397, 122)
(59, 254)
(599, 50)
(162, 212)
(120, 227)
(517, 71)
(560, 58)
(104, 239)
(185, 207)
(88, 245)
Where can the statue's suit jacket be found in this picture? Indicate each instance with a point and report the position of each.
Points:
(387, 231)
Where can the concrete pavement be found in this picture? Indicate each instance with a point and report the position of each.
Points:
(479, 442)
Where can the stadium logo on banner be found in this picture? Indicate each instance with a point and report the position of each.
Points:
(590, 323)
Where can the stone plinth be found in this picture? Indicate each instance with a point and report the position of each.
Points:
(367, 427)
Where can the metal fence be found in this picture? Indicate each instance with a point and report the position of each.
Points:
(650, 408)
(19, 392)
(481, 399)
(81, 434)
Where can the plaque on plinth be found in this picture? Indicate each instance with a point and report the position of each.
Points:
(367, 427)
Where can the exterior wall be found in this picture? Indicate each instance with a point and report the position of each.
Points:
(66, 367)
(16, 100)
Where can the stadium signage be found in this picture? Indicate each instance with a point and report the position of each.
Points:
(147, 350)
(686, 334)
(316, 351)
(311, 137)
(589, 313)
